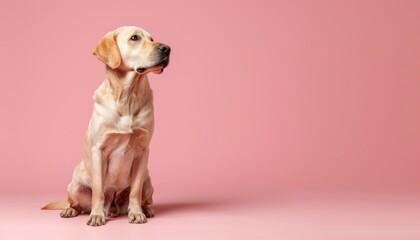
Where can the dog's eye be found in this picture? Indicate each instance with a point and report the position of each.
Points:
(134, 38)
(151, 39)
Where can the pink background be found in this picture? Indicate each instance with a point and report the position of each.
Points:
(261, 99)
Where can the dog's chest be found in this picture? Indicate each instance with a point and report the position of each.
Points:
(125, 123)
(120, 151)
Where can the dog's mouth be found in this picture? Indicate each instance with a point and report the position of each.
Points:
(157, 68)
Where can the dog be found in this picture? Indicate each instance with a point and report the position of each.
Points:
(112, 178)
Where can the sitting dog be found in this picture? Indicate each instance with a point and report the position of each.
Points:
(112, 178)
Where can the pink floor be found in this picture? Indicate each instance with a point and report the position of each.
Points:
(293, 216)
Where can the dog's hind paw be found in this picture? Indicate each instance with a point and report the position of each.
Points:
(69, 212)
(148, 211)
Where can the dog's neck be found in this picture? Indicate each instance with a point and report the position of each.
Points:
(130, 90)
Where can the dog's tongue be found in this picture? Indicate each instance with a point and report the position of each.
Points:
(142, 70)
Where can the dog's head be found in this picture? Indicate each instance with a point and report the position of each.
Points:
(132, 48)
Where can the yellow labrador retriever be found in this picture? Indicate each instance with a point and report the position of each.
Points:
(112, 178)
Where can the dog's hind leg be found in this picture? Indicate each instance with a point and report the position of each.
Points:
(120, 203)
(110, 208)
(79, 197)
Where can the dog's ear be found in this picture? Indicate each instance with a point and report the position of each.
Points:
(107, 51)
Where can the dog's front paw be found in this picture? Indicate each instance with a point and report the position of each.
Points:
(96, 220)
(138, 217)
(69, 212)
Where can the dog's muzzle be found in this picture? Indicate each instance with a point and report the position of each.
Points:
(165, 51)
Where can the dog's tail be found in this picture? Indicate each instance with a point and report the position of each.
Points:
(59, 205)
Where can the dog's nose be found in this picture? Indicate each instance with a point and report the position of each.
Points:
(164, 48)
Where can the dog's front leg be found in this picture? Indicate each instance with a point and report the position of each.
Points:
(97, 214)
(135, 212)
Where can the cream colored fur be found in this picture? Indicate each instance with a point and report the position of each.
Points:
(112, 178)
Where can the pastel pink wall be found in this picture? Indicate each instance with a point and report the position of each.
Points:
(265, 96)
